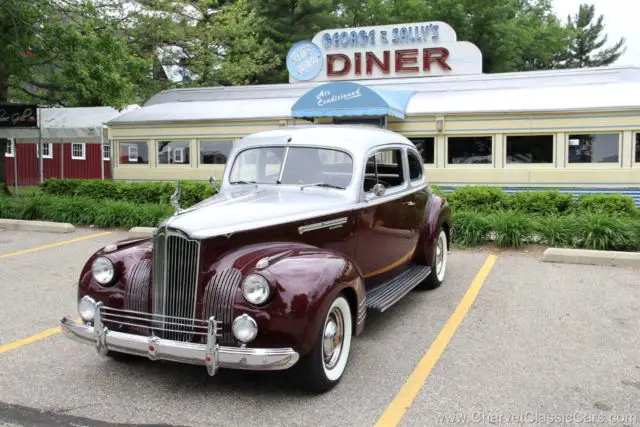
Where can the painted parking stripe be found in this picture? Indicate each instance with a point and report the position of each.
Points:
(33, 338)
(54, 245)
(403, 400)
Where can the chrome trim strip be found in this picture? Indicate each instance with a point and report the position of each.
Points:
(211, 354)
(333, 223)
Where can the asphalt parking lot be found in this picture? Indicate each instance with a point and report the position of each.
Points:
(534, 343)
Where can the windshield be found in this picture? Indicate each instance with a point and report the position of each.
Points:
(303, 165)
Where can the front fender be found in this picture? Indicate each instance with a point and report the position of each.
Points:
(305, 280)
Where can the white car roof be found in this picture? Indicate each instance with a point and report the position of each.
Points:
(355, 138)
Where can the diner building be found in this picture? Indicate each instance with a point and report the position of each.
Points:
(577, 130)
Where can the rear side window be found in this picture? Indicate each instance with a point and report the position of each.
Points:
(386, 168)
(415, 168)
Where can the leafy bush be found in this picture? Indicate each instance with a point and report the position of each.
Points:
(609, 204)
(136, 192)
(541, 202)
(470, 228)
(558, 231)
(512, 229)
(604, 232)
(478, 199)
(84, 211)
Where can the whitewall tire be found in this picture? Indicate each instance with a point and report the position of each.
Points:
(324, 366)
(439, 262)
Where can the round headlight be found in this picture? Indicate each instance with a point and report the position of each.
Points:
(102, 270)
(255, 289)
(87, 308)
(245, 328)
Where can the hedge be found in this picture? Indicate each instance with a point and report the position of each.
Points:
(515, 229)
(137, 192)
(85, 211)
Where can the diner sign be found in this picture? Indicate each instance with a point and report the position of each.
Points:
(18, 116)
(388, 51)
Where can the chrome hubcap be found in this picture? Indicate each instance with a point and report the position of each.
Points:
(440, 255)
(332, 338)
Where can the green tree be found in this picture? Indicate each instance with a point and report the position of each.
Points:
(286, 22)
(203, 42)
(586, 49)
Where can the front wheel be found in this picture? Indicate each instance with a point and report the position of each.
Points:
(438, 264)
(323, 367)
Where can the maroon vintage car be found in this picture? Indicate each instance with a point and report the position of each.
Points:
(312, 227)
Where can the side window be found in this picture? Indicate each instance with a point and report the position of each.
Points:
(384, 167)
(415, 168)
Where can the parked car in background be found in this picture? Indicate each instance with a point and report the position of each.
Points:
(311, 228)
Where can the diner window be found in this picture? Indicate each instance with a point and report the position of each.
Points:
(106, 152)
(173, 152)
(386, 168)
(415, 167)
(78, 151)
(215, 152)
(426, 147)
(530, 149)
(10, 148)
(469, 149)
(594, 148)
(47, 150)
(133, 153)
(638, 148)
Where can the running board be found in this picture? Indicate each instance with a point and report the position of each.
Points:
(386, 294)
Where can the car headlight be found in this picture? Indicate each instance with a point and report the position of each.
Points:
(102, 270)
(255, 289)
(87, 308)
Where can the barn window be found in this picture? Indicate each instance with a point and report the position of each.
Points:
(9, 152)
(78, 151)
(106, 151)
(47, 151)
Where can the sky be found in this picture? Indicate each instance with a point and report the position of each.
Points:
(620, 20)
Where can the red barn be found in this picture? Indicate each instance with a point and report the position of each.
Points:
(74, 145)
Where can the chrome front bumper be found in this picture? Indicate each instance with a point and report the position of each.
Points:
(211, 354)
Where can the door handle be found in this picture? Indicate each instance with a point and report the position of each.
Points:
(408, 203)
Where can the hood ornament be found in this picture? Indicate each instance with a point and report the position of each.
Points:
(175, 199)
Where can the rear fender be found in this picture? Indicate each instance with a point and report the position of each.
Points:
(437, 215)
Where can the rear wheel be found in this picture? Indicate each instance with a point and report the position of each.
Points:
(322, 368)
(438, 264)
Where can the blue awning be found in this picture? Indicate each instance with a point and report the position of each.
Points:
(341, 99)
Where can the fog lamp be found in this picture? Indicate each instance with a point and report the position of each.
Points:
(87, 308)
(245, 328)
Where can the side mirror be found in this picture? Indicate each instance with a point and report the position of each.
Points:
(212, 182)
(379, 190)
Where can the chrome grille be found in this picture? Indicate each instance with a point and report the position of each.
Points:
(175, 283)
(218, 300)
(136, 297)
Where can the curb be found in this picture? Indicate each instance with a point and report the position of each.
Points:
(24, 225)
(591, 257)
(142, 231)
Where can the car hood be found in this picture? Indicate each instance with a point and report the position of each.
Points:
(252, 207)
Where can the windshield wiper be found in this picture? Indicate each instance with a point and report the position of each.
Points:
(242, 182)
(321, 184)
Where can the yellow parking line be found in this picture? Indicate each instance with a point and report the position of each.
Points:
(53, 245)
(31, 339)
(403, 400)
